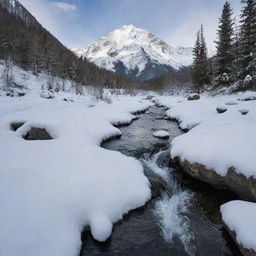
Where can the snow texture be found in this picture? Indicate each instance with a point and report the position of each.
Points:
(216, 141)
(50, 190)
(239, 216)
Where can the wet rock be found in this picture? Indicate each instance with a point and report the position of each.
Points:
(37, 134)
(157, 184)
(16, 125)
(244, 111)
(244, 251)
(221, 110)
(244, 187)
(194, 97)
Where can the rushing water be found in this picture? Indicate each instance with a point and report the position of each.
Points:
(183, 216)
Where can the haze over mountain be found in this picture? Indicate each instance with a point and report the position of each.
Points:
(137, 53)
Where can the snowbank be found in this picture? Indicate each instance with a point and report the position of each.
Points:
(239, 216)
(50, 190)
(218, 141)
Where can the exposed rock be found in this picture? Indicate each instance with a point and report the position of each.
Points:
(37, 134)
(194, 97)
(68, 100)
(244, 187)
(244, 251)
(244, 111)
(221, 110)
(157, 183)
(248, 98)
(21, 94)
(16, 125)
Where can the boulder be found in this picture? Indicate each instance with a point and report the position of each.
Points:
(161, 134)
(16, 125)
(221, 110)
(194, 97)
(244, 251)
(248, 98)
(244, 187)
(37, 134)
(244, 111)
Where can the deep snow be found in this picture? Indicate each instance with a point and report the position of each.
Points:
(50, 190)
(219, 141)
(239, 216)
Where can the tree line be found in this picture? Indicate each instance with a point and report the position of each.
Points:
(235, 59)
(24, 42)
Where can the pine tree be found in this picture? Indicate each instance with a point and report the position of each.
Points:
(236, 51)
(200, 70)
(196, 54)
(203, 57)
(225, 54)
(247, 42)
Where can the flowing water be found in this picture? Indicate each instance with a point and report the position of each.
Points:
(183, 216)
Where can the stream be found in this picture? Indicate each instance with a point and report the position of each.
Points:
(182, 218)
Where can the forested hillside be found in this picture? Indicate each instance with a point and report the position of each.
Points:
(24, 42)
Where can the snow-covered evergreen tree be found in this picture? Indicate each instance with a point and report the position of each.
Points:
(236, 51)
(200, 72)
(225, 53)
(247, 42)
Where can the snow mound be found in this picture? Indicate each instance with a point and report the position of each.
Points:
(239, 216)
(219, 142)
(50, 190)
(161, 134)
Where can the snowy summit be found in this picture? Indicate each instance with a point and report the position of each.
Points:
(136, 52)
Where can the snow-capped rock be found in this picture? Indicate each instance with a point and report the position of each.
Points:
(161, 134)
(136, 53)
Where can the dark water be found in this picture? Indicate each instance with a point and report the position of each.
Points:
(183, 216)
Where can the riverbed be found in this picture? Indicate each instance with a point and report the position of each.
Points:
(182, 218)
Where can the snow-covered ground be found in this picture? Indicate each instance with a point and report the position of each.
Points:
(218, 141)
(50, 190)
(239, 216)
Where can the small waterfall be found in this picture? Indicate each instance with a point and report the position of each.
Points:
(172, 207)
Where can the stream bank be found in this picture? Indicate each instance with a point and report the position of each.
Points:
(183, 216)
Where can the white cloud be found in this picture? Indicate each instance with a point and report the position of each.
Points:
(65, 6)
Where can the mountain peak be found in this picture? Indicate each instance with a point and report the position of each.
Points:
(128, 27)
(136, 52)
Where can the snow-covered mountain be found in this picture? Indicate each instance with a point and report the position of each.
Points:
(136, 53)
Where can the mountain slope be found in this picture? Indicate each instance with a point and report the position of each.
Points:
(27, 44)
(136, 53)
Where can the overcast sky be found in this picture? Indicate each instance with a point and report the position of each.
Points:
(76, 23)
